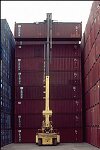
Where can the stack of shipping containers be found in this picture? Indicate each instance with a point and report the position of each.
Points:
(7, 59)
(65, 80)
(91, 58)
(71, 115)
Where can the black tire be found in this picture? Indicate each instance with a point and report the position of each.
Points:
(39, 141)
(55, 142)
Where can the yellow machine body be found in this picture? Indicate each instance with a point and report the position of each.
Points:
(50, 137)
(47, 139)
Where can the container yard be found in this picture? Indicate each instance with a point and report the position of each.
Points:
(50, 84)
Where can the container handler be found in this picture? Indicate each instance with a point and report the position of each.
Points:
(47, 135)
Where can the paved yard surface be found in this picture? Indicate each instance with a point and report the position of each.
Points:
(62, 146)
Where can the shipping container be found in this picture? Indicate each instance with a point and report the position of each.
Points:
(65, 79)
(29, 78)
(60, 30)
(30, 121)
(97, 46)
(29, 64)
(29, 107)
(28, 135)
(65, 88)
(29, 51)
(35, 78)
(91, 76)
(61, 106)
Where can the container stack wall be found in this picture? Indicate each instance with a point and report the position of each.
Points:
(65, 87)
(7, 68)
(91, 62)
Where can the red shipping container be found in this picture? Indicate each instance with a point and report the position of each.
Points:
(71, 134)
(58, 92)
(98, 46)
(62, 77)
(39, 30)
(67, 135)
(66, 106)
(88, 134)
(91, 57)
(97, 23)
(96, 69)
(76, 65)
(92, 35)
(72, 64)
(97, 93)
(29, 106)
(87, 30)
(98, 114)
(86, 67)
(91, 17)
(76, 92)
(69, 120)
(98, 61)
(30, 121)
(89, 117)
(87, 47)
(29, 51)
(67, 30)
(92, 96)
(35, 120)
(57, 64)
(94, 77)
(29, 78)
(29, 93)
(29, 64)
(57, 106)
(63, 50)
(96, 8)
(73, 91)
(25, 135)
(57, 78)
(87, 100)
(94, 136)
(30, 30)
(87, 82)
(94, 116)
(35, 78)
(98, 137)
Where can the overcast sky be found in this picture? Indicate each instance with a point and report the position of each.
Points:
(35, 11)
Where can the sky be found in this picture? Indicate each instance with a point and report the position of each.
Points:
(35, 11)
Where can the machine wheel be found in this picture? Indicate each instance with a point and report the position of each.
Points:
(39, 141)
(55, 142)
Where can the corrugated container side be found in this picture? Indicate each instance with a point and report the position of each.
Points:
(61, 106)
(28, 135)
(38, 31)
(7, 57)
(28, 51)
(98, 46)
(92, 75)
(65, 89)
